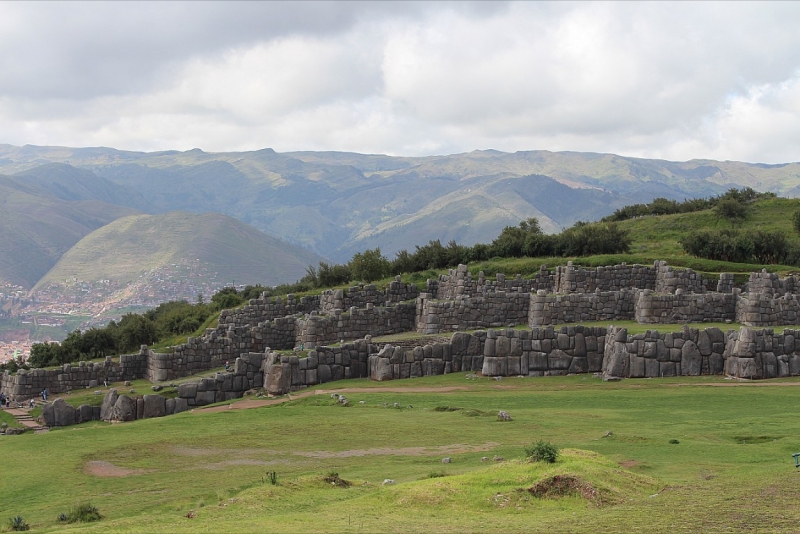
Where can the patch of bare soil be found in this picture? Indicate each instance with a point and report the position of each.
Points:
(627, 464)
(107, 469)
(563, 486)
(456, 448)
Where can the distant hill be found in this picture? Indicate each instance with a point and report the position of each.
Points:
(125, 249)
(69, 183)
(36, 228)
(337, 203)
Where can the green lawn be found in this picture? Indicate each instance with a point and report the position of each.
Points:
(731, 468)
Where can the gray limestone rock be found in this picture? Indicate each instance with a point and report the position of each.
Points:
(108, 403)
(63, 413)
(381, 368)
(691, 359)
(48, 415)
(154, 406)
(124, 409)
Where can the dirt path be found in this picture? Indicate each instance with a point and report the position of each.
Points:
(255, 403)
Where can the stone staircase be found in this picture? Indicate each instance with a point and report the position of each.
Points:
(23, 417)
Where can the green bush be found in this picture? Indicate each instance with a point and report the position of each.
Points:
(542, 451)
(83, 513)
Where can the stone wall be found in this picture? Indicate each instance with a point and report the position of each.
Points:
(26, 384)
(454, 302)
(570, 279)
(543, 351)
(771, 284)
(576, 307)
(393, 363)
(754, 354)
(459, 282)
(767, 309)
(669, 280)
(316, 330)
(496, 309)
(361, 296)
(691, 352)
(247, 374)
(267, 309)
(285, 373)
(220, 345)
(682, 307)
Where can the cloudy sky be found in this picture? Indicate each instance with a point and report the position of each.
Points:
(678, 81)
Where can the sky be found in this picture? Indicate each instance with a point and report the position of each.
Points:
(676, 80)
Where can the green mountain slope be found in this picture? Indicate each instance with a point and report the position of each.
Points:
(128, 247)
(335, 203)
(36, 228)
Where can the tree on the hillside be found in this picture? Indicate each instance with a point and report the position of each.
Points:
(369, 265)
(44, 354)
(332, 275)
(796, 221)
(135, 330)
(731, 210)
(511, 241)
(226, 298)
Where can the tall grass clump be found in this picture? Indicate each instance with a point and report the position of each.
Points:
(83, 513)
(18, 524)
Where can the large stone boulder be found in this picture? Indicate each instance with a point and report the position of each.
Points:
(617, 360)
(124, 409)
(278, 380)
(85, 413)
(380, 369)
(691, 359)
(108, 404)
(494, 366)
(48, 414)
(154, 406)
(63, 413)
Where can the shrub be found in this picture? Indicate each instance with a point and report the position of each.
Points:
(18, 524)
(272, 478)
(542, 451)
(83, 513)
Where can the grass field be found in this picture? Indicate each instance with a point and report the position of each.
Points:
(700, 454)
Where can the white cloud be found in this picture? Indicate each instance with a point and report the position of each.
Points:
(670, 80)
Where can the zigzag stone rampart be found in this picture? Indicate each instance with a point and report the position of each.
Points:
(456, 302)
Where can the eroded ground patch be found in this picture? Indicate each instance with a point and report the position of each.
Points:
(107, 469)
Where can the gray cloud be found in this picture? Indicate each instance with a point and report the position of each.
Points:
(673, 80)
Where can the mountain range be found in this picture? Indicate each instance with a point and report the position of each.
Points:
(319, 205)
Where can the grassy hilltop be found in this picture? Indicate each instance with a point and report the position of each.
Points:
(125, 248)
(658, 237)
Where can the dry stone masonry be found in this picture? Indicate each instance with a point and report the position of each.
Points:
(330, 336)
